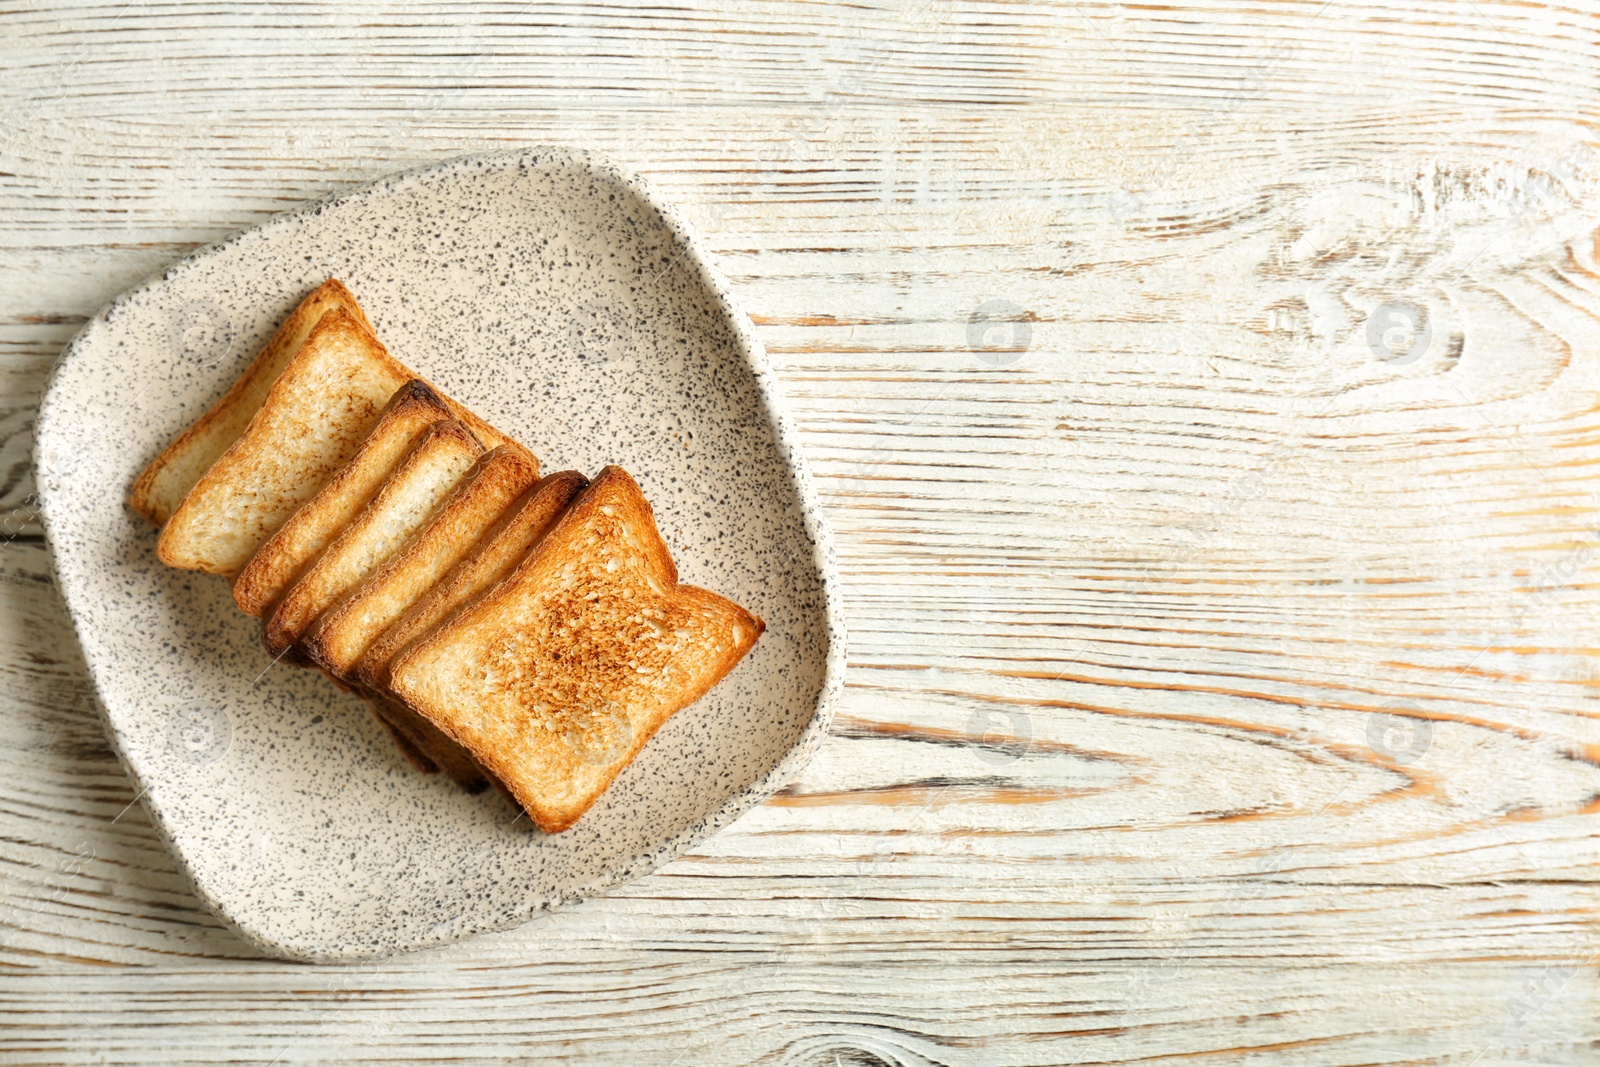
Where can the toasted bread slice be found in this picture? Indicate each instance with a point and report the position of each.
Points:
(316, 414)
(431, 743)
(283, 556)
(400, 508)
(556, 678)
(170, 476)
(314, 418)
(493, 558)
(343, 633)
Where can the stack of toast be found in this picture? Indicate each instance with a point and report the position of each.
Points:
(505, 628)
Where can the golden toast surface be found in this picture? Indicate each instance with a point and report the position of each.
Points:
(493, 558)
(286, 554)
(558, 676)
(313, 419)
(294, 417)
(343, 633)
(170, 476)
(402, 506)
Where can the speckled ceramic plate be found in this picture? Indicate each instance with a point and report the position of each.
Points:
(563, 301)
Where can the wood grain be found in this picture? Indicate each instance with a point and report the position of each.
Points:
(1222, 683)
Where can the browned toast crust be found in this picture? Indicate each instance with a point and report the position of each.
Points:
(343, 633)
(286, 554)
(291, 447)
(170, 476)
(493, 556)
(556, 678)
(403, 505)
(493, 559)
(316, 411)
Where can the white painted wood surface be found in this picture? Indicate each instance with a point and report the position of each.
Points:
(1133, 576)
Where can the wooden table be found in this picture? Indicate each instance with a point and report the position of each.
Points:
(1207, 404)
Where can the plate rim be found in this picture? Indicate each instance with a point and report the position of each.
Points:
(786, 438)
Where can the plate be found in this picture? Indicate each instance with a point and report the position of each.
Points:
(561, 299)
